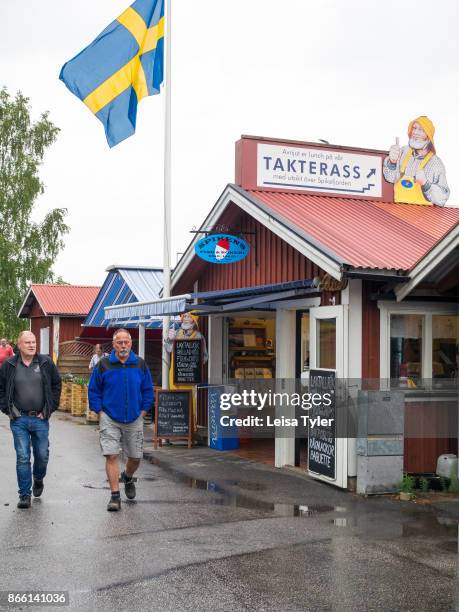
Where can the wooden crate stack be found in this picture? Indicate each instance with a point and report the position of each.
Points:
(66, 397)
(79, 400)
(91, 417)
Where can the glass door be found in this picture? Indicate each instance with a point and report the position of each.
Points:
(327, 449)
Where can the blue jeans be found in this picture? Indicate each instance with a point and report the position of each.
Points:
(27, 430)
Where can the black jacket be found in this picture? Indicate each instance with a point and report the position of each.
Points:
(51, 386)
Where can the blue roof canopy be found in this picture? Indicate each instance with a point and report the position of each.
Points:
(126, 285)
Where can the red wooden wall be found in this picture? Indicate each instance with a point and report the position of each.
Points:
(70, 328)
(271, 260)
(370, 333)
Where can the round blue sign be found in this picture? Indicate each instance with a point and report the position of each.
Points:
(407, 183)
(222, 248)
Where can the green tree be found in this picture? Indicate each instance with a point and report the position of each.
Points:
(27, 249)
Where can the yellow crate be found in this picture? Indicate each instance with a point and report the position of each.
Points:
(66, 397)
(79, 400)
(91, 417)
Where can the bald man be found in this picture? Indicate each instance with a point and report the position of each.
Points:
(30, 390)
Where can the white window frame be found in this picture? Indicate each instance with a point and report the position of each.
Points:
(425, 309)
(340, 313)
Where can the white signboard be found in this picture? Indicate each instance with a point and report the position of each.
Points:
(318, 170)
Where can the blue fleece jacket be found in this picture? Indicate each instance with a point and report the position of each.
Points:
(122, 390)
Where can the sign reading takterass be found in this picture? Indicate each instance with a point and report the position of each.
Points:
(319, 170)
(222, 248)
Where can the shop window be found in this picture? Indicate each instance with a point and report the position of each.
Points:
(326, 343)
(251, 350)
(445, 346)
(406, 335)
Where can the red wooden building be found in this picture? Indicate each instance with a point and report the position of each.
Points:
(56, 313)
(340, 277)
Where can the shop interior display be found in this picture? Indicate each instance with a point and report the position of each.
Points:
(251, 350)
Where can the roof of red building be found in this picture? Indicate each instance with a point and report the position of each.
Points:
(361, 233)
(63, 300)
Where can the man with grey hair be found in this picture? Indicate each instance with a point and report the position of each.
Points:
(121, 390)
(30, 390)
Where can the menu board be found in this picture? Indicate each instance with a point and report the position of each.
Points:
(322, 440)
(187, 362)
(173, 415)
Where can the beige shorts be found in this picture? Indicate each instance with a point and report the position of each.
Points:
(115, 436)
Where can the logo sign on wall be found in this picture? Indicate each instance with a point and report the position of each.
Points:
(222, 248)
(318, 170)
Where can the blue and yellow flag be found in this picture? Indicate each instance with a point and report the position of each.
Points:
(123, 65)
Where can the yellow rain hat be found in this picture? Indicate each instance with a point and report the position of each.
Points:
(426, 125)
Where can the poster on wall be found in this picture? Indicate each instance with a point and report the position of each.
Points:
(418, 174)
(321, 440)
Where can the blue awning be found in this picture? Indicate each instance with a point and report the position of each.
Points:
(211, 302)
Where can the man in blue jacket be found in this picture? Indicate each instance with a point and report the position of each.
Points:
(121, 390)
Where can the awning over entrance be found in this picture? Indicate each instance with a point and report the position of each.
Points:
(260, 297)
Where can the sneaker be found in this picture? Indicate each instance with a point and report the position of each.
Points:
(114, 504)
(129, 486)
(37, 488)
(24, 501)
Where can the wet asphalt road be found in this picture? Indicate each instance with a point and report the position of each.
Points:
(210, 531)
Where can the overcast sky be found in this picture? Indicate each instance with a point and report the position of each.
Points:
(352, 72)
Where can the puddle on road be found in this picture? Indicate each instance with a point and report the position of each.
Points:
(247, 486)
(409, 524)
(232, 498)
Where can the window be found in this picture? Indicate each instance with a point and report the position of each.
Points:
(406, 336)
(419, 344)
(445, 343)
(326, 343)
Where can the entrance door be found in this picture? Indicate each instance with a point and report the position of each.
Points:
(328, 350)
(44, 340)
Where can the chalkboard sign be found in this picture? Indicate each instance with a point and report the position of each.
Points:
(321, 440)
(187, 362)
(173, 416)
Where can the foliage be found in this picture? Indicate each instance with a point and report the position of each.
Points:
(443, 483)
(80, 381)
(407, 484)
(454, 481)
(424, 484)
(28, 248)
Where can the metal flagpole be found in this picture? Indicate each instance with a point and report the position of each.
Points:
(167, 190)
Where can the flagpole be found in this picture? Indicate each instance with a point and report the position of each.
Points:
(167, 191)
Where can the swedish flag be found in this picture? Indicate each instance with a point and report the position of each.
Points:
(123, 65)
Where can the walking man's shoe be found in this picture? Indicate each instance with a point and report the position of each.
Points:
(24, 501)
(37, 488)
(114, 504)
(129, 486)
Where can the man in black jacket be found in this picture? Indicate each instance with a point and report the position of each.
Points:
(30, 390)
